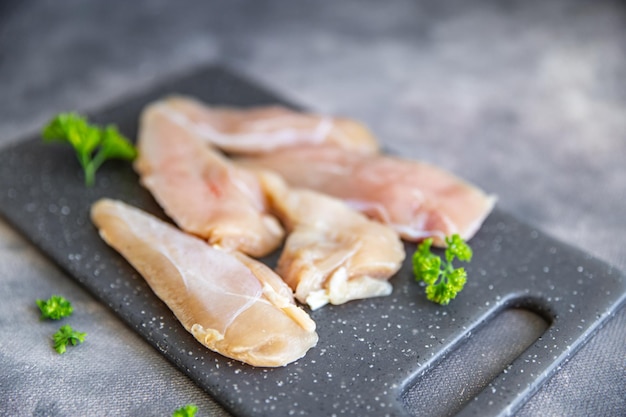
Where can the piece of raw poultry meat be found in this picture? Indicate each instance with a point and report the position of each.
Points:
(416, 199)
(333, 254)
(263, 129)
(232, 304)
(200, 189)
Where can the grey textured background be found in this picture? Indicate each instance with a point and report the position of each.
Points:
(524, 98)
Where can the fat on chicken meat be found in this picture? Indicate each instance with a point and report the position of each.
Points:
(416, 199)
(263, 129)
(229, 302)
(200, 189)
(333, 254)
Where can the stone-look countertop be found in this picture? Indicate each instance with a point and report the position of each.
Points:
(525, 99)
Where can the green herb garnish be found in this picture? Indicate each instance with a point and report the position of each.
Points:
(55, 308)
(443, 281)
(93, 144)
(66, 336)
(188, 410)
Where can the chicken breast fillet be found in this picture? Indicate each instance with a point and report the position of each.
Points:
(333, 254)
(200, 189)
(264, 129)
(232, 304)
(416, 199)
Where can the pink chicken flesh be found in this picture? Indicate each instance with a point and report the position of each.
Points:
(232, 304)
(264, 129)
(201, 190)
(416, 199)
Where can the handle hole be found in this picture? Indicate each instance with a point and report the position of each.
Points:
(446, 388)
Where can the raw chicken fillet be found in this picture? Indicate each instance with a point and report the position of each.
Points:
(416, 199)
(232, 304)
(333, 254)
(263, 129)
(200, 189)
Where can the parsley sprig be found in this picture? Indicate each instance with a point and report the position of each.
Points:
(188, 410)
(443, 280)
(67, 336)
(93, 144)
(55, 308)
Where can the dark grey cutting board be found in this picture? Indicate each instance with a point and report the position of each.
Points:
(370, 352)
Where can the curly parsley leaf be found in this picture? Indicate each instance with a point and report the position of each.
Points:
(443, 280)
(55, 308)
(67, 336)
(93, 144)
(188, 410)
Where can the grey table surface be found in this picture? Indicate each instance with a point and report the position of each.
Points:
(526, 99)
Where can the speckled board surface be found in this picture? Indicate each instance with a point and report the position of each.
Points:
(370, 352)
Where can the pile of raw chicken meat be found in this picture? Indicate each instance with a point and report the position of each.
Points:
(242, 183)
